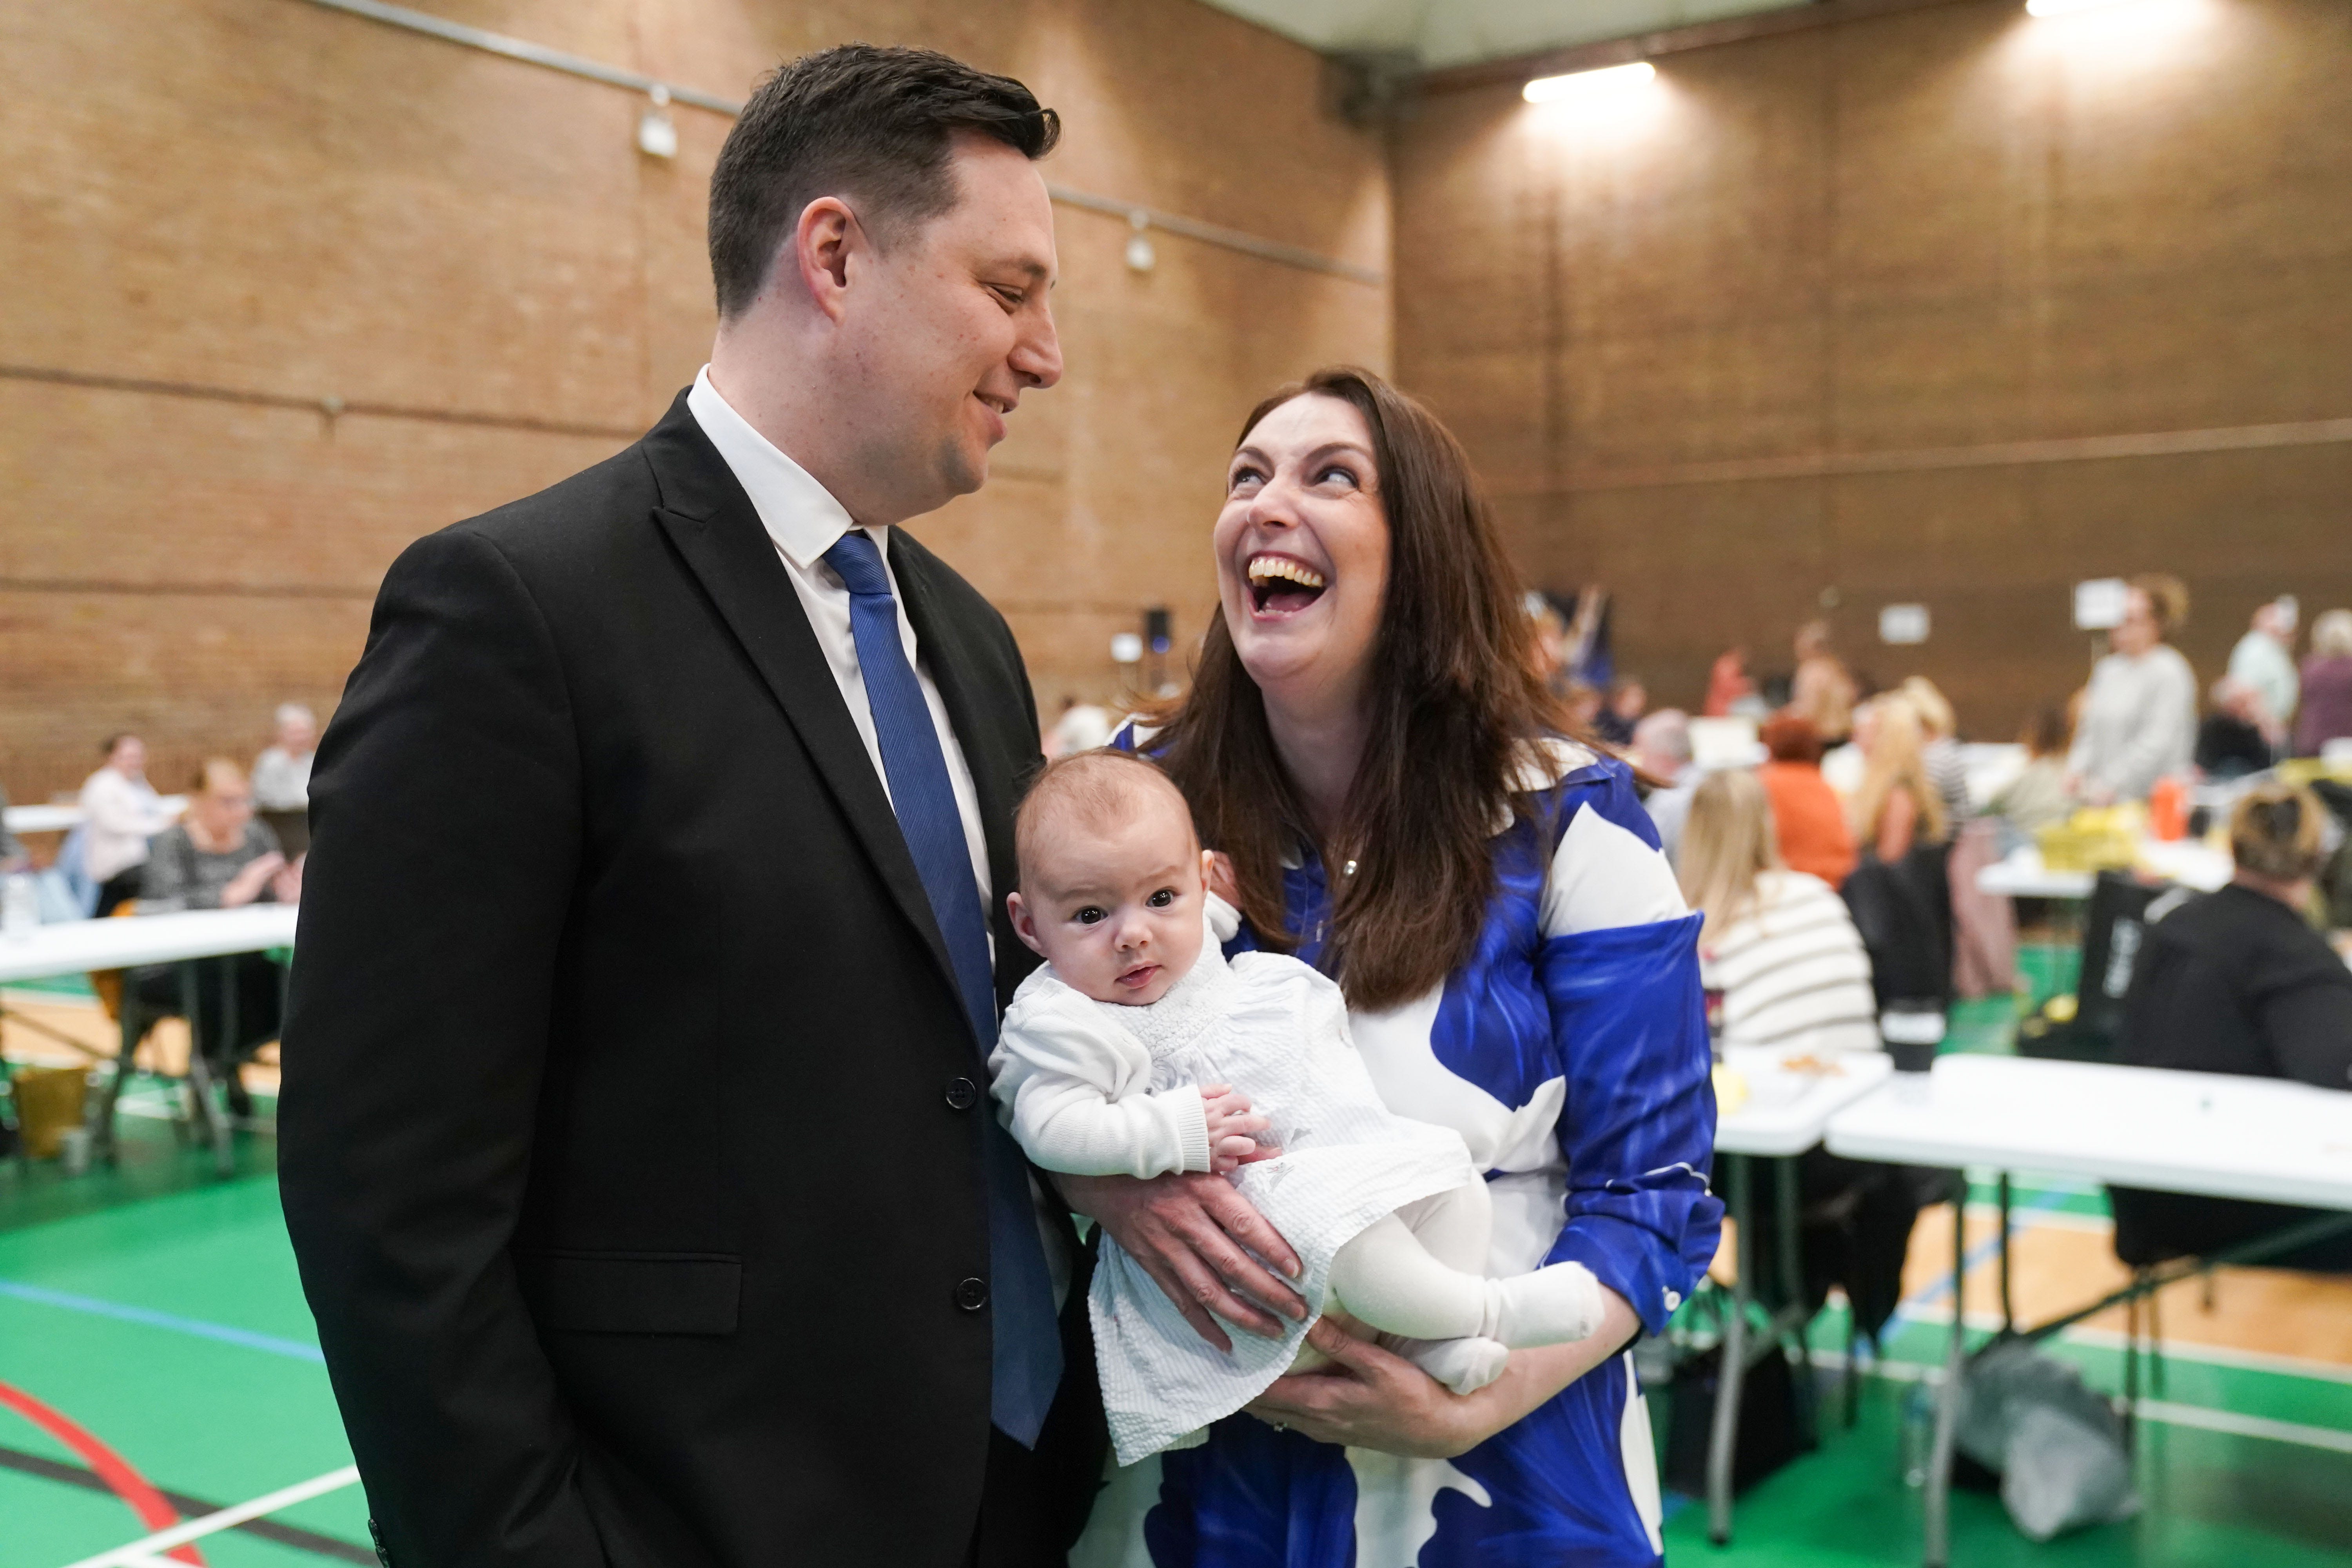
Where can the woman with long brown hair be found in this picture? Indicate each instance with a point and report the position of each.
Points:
(1367, 742)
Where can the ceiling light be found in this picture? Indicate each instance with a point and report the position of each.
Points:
(1588, 84)
(2068, 7)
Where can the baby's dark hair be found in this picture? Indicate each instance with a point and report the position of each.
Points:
(1094, 786)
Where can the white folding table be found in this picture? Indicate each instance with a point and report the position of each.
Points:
(2209, 1133)
(1782, 1117)
(2021, 874)
(77, 947)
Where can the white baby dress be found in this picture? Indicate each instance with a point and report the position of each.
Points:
(1277, 1031)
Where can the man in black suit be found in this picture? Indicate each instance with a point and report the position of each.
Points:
(636, 1140)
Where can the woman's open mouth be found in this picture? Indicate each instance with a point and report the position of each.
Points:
(1282, 585)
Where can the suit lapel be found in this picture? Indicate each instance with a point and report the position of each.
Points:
(712, 524)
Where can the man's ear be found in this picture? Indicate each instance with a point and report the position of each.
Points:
(1025, 924)
(821, 244)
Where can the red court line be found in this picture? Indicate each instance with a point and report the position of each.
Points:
(126, 1483)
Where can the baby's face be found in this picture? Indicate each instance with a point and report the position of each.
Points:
(1116, 907)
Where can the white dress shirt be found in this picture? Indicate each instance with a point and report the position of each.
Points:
(803, 518)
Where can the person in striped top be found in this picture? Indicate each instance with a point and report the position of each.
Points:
(1777, 944)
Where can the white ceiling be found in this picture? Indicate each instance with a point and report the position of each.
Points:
(1439, 33)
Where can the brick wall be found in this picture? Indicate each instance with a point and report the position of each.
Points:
(1784, 331)
(263, 199)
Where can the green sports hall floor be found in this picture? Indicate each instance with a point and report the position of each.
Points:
(157, 1308)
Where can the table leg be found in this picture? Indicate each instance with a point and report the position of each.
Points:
(1731, 1375)
(1948, 1402)
(1793, 1289)
(101, 1137)
(2008, 1312)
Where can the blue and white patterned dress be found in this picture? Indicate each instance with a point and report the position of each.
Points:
(1569, 1051)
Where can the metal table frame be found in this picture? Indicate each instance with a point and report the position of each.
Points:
(2145, 1283)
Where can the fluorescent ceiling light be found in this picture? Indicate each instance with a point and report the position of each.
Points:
(2068, 7)
(1588, 84)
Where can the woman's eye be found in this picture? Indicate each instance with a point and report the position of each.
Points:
(1346, 474)
(1244, 476)
(1162, 899)
(1088, 916)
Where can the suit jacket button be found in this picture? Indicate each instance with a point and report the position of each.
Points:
(962, 1094)
(972, 1294)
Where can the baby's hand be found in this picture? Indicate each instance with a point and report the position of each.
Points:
(1232, 1128)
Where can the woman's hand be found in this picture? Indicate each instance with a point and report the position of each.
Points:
(1369, 1398)
(247, 885)
(1194, 1236)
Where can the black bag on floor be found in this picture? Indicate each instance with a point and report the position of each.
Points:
(1767, 1436)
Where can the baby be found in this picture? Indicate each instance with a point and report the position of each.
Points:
(1139, 1048)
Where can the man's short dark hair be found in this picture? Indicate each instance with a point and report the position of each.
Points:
(871, 125)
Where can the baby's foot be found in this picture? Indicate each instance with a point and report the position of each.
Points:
(1549, 1306)
(1464, 1365)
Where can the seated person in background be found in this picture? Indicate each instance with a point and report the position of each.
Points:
(1823, 691)
(1781, 954)
(1808, 822)
(2235, 982)
(2037, 796)
(281, 778)
(2264, 659)
(1939, 750)
(1776, 943)
(12, 853)
(123, 812)
(1139, 1049)
(1615, 722)
(1896, 808)
(219, 858)
(2234, 739)
(1662, 748)
(2326, 713)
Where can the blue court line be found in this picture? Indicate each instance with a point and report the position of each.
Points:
(41, 1295)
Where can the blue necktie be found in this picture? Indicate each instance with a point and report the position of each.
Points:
(1026, 1362)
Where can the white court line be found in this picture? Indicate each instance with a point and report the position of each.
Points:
(2229, 1421)
(142, 1551)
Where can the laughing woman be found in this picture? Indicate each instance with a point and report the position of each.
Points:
(1368, 744)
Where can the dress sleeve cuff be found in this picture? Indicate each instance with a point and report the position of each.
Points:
(1190, 1118)
(1628, 1260)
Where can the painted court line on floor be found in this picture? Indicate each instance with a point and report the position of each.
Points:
(139, 1551)
(190, 1506)
(41, 1295)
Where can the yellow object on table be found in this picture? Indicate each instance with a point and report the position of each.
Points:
(2097, 839)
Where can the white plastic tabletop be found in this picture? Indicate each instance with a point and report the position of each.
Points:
(74, 947)
(2022, 875)
(42, 818)
(2213, 1133)
(1787, 1109)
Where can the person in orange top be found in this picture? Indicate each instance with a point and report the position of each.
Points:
(1811, 824)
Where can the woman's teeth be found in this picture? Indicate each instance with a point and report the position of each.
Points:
(1267, 569)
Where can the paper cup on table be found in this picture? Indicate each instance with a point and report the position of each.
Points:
(1913, 1031)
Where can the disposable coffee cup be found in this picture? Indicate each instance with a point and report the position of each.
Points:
(1913, 1033)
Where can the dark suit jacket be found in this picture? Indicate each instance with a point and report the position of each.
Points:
(630, 1143)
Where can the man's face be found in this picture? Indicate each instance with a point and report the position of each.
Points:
(956, 325)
